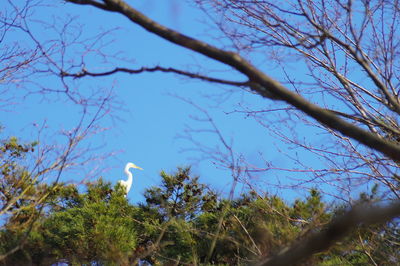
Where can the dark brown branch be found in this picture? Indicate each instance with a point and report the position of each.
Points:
(336, 230)
(268, 85)
(85, 72)
(92, 3)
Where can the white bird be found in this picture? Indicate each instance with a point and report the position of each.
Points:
(128, 183)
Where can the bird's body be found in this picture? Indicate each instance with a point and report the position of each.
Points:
(128, 183)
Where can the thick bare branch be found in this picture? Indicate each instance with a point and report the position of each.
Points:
(268, 85)
(336, 230)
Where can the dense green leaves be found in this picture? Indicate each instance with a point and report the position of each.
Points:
(82, 228)
(180, 196)
(18, 190)
(96, 227)
(177, 224)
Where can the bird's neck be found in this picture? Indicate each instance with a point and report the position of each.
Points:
(128, 174)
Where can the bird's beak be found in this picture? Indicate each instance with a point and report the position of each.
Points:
(137, 167)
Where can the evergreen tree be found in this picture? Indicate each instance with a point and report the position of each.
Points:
(177, 224)
(81, 228)
(176, 203)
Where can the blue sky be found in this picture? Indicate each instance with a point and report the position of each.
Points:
(148, 119)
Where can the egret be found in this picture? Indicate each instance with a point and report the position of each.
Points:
(128, 183)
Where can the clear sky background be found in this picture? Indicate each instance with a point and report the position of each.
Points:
(147, 118)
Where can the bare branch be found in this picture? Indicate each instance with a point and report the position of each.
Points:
(336, 230)
(85, 72)
(268, 85)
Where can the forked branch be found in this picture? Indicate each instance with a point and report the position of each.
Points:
(268, 85)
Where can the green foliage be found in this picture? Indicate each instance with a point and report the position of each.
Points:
(180, 196)
(372, 245)
(18, 190)
(20, 193)
(256, 226)
(177, 224)
(96, 228)
(175, 203)
(81, 228)
(22, 197)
